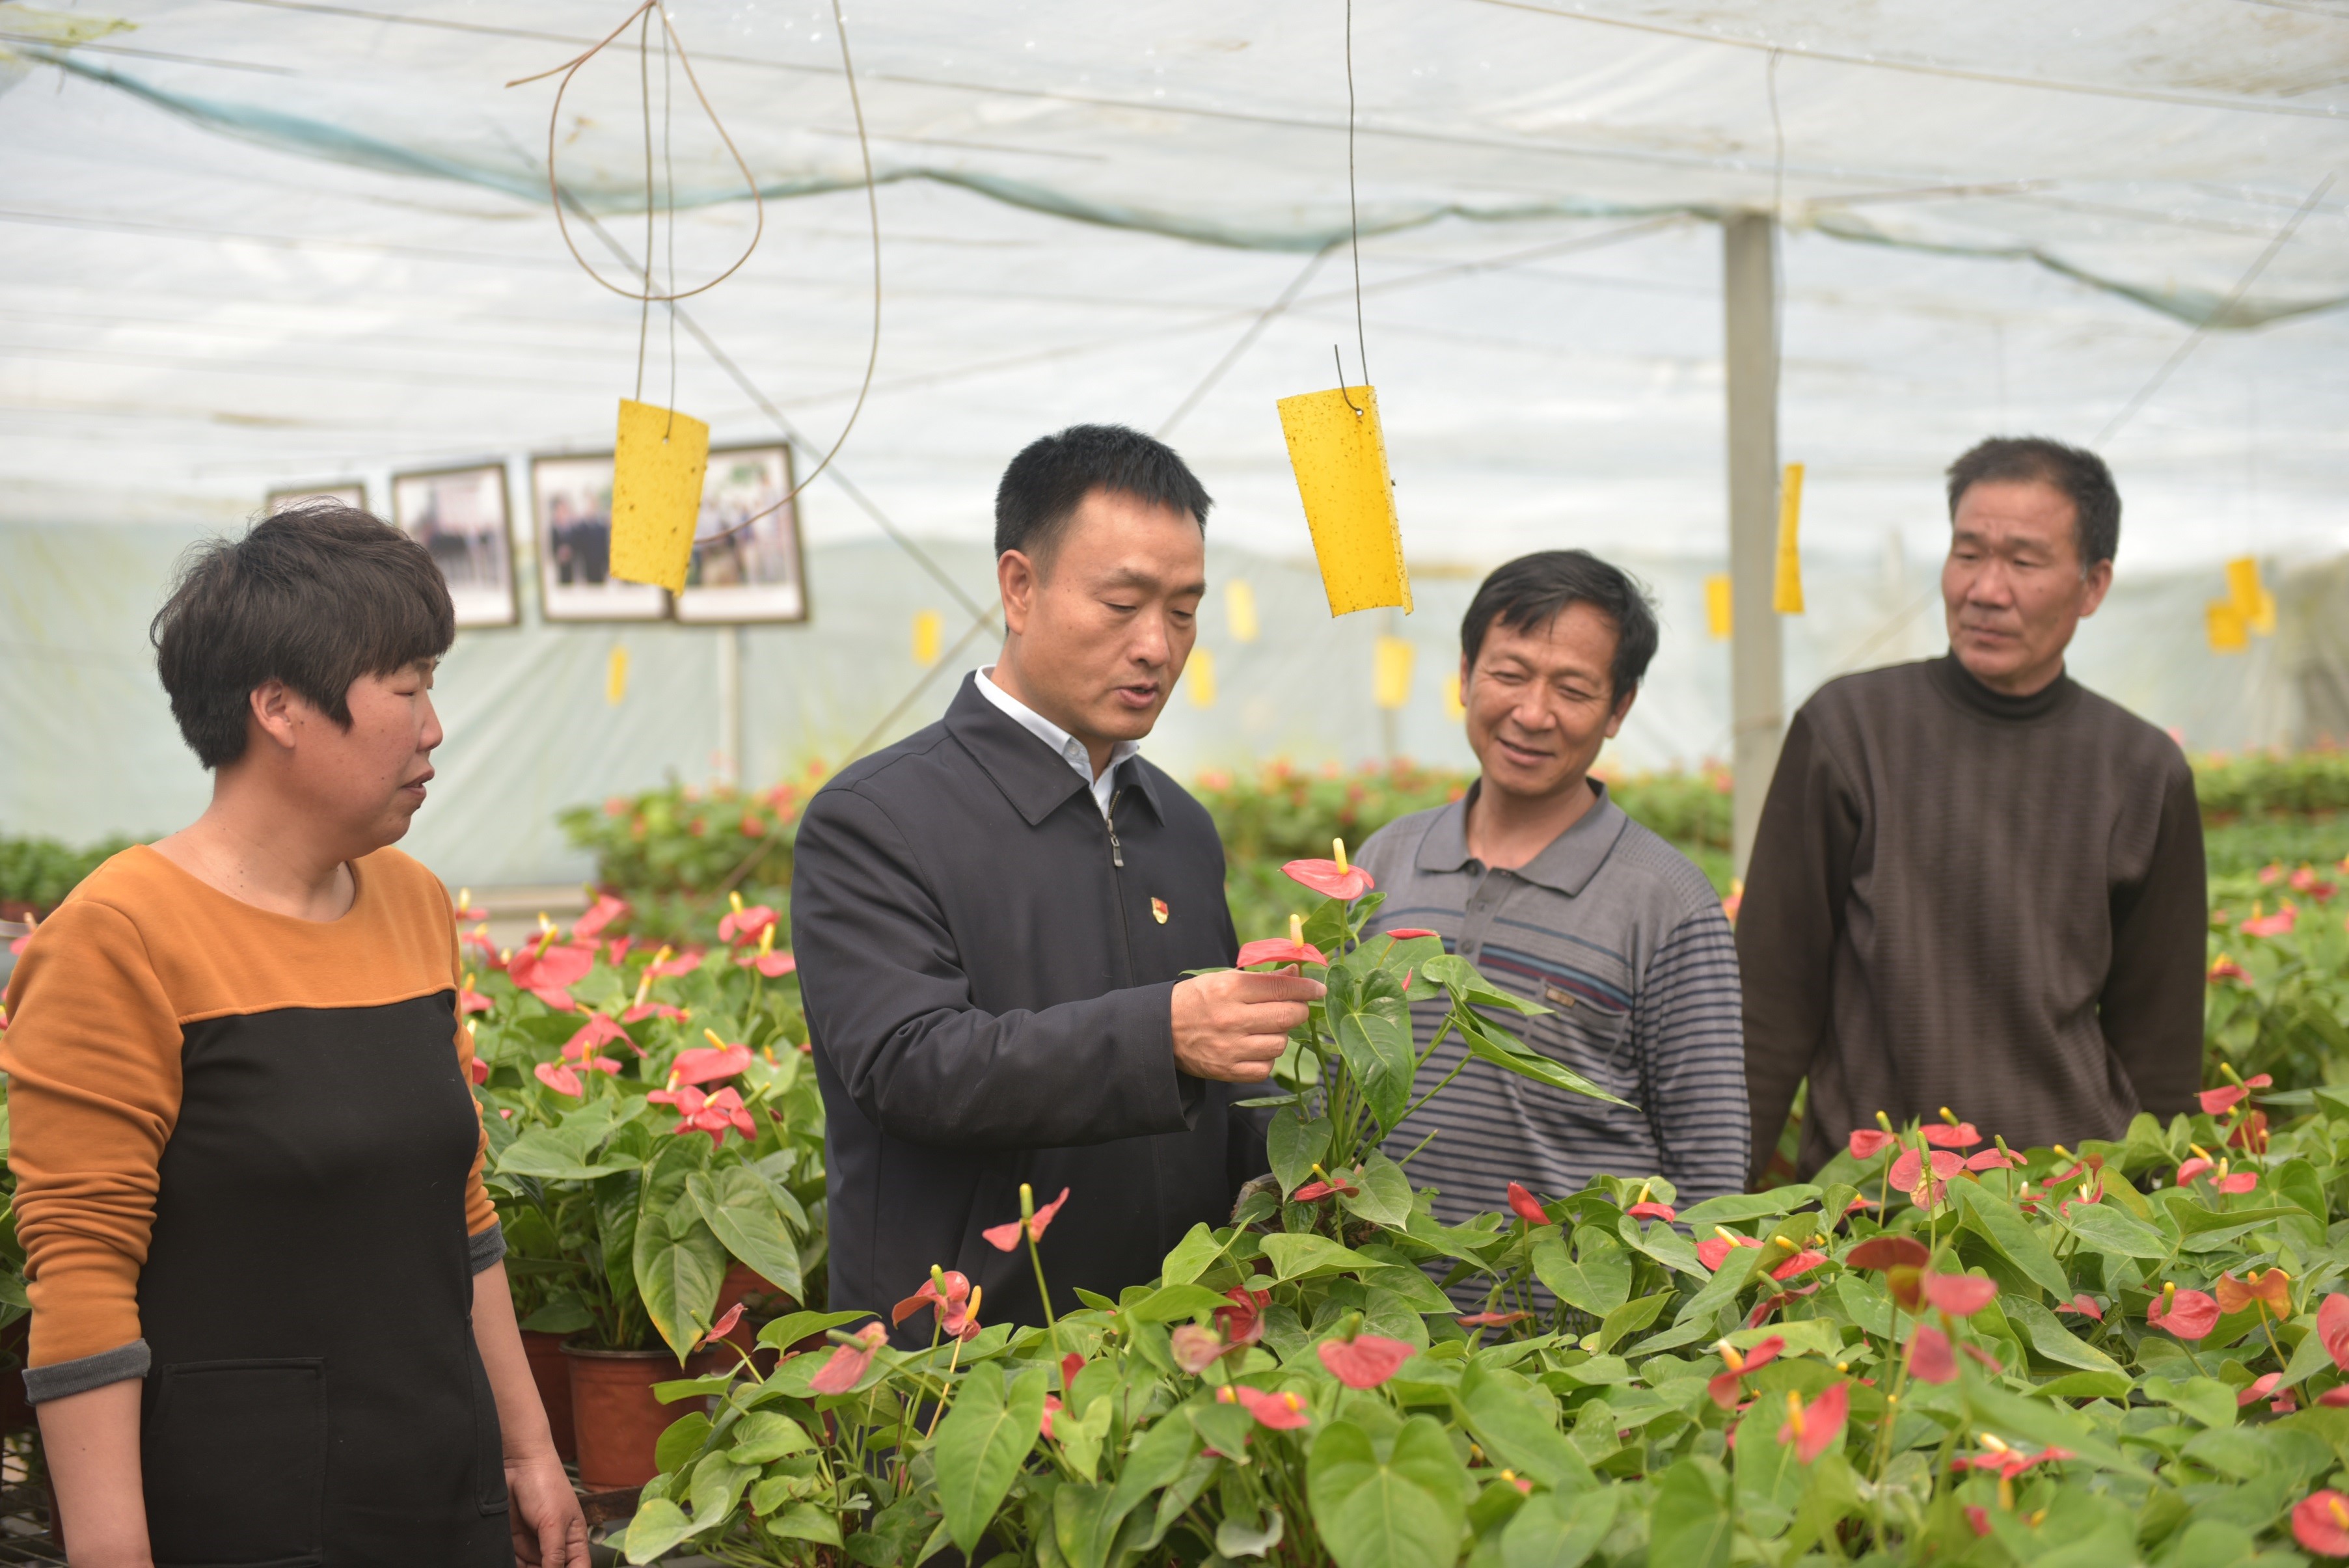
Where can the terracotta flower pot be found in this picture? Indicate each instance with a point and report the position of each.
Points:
(616, 1420)
(553, 1374)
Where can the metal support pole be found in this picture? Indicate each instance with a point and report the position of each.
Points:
(1756, 674)
(730, 706)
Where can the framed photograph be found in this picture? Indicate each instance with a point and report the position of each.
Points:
(756, 574)
(460, 516)
(571, 503)
(351, 494)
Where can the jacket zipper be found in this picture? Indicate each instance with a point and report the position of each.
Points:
(1116, 849)
(1117, 889)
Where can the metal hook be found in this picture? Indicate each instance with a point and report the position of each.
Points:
(1341, 379)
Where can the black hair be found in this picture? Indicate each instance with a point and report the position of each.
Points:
(2077, 472)
(317, 596)
(1050, 479)
(1534, 590)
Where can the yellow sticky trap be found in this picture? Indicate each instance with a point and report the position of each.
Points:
(1717, 612)
(1454, 709)
(1239, 609)
(656, 465)
(615, 676)
(1199, 675)
(2249, 595)
(2228, 631)
(1787, 586)
(1394, 659)
(927, 629)
(1339, 456)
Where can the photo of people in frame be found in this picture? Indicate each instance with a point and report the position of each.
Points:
(571, 503)
(351, 494)
(460, 516)
(756, 573)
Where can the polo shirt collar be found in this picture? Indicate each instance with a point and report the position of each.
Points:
(1032, 777)
(1566, 864)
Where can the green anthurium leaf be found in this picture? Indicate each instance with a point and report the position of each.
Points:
(1170, 1303)
(763, 1437)
(1690, 1526)
(1484, 1041)
(1396, 1504)
(1518, 1431)
(1374, 1036)
(2113, 1230)
(717, 1483)
(1735, 1208)
(1558, 1530)
(986, 1436)
(1160, 1454)
(1082, 1527)
(1630, 1319)
(806, 1521)
(788, 1331)
(2206, 1400)
(738, 1206)
(1995, 1219)
(1296, 1255)
(2052, 1339)
(1469, 988)
(1236, 1537)
(1192, 1254)
(1295, 1146)
(566, 1314)
(659, 1525)
(1663, 1243)
(682, 1442)
(678, 1276)
(1595, 1277)
(1384, 1198)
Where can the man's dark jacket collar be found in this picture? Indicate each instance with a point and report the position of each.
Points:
(1034, 777)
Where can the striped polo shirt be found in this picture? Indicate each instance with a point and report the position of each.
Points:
(1623, 939)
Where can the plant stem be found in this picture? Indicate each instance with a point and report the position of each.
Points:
(1043, 1292)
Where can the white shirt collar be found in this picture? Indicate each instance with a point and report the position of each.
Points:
(1071, 749)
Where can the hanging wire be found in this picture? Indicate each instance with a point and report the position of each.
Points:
(644, 90)
(570, 68)
(668, 182)
(1353, 219)
(1341, 374)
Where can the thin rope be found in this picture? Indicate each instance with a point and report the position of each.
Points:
(644, 90)
(554, 119)
(1256, 330)
(2226, 307)
(872, 356)
(668, 181)
(1353, 218)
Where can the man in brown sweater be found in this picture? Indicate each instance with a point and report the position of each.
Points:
(1977, 883)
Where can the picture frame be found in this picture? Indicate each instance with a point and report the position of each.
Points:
(461, 517)
(350, 492)
(571, 525)
(761, 573)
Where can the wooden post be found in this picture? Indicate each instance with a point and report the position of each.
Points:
(1756, 674)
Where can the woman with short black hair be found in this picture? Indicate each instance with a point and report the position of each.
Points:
(270, 1316)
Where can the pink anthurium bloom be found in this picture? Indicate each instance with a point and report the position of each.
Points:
(559, 1078)
(2240, 1182)
(848, 1362)
(1713, 1250)
(685, 963)
(2193, 1168)
(479, 1071)
(1959, 1135)
(2187, 1314)
(549, 975)
(1331, 879)
(712, 1114)
(1195, 1349)
(1527, 1207)
(1653, 1211)
(957, 1307)
(1242, 1323)
(1886, 1251)
(1723, 1387)
(2226, 1097)
(2260, 1389)
(1052, 1409)
(470, 1001)
(1908, 1170)
(1007, 1237)
(2223, 969)
(655, 1010)
(1283, 1412)
(1277, 950)
(2280, 923)
(1815, 1428)
(773, 966)
(601, 913)
(1408, 932)
(1994, 1159)
(1491, 1319)
(2333, 1328)
(706, 1064)
(744, 922)
(1801, 1263)
(1364, 1361)
(2319, 1522)
(724, 1324)
(600, 1029)
(2085, 1306)
(1867, 1142)
(1314, 1192)
(1959, 1295)
(1929, 1355)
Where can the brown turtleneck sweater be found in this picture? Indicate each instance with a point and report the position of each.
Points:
(1963, 899)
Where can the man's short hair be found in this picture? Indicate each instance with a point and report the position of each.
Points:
(317, 596)
(1048, 481)
(1534, 590)
(2077, 473)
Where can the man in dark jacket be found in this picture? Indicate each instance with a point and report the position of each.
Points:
(993, 918)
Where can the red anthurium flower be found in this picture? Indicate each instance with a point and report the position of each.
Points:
(478, 1070)
(1282, 1412)
(1714, 1250)
(1071, 1365)
(2333, 1328)
(1959, 1295)
(1196, 1348)
(1052, 1409)
(2334, 1399)
(464, 910)
(600, 1029)
(2226, 1097)
(1905, 1282)
(773, 966)
(1364, 1361)
(1005, 1238)
(1784, 1298)
(1961, 1136)
(2319, 1522)
(957, 1304)
(470, 1001)
(2085, 1306)
(706, 1064)
(2259, 1389)
(1815, 1428)
(2280, 923)
(744, 922)
(1314, 1192)
(1801, 1263)
(601, 913)
(1527, 1207)
(549, 975)
(1978, 1519)
(1885, 1252)
(1242, 1323)
(655, 1010)
(1723, 1386)
(712, 1114)
(1407, 934)
(560, 1078)
(2187, 1314)
(1908, 1170)
(1866, 1142)
(1331, 879)
(2008, 1463)
(1985, 1358)
(848, 1362)
(1929, 1355)
(1279, 950)
(2193, 1168)
(685, 963)
(1994, 1159)
(2272, 1292)
(1651, 1211)
(1491, 1319)
(724, 1326)
(2240, 1182)
(2223, 969)
(2250, 1134)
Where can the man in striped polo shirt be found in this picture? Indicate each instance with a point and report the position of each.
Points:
(1538, 878)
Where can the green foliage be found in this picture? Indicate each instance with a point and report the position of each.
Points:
(39, 872)
(676, 851)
